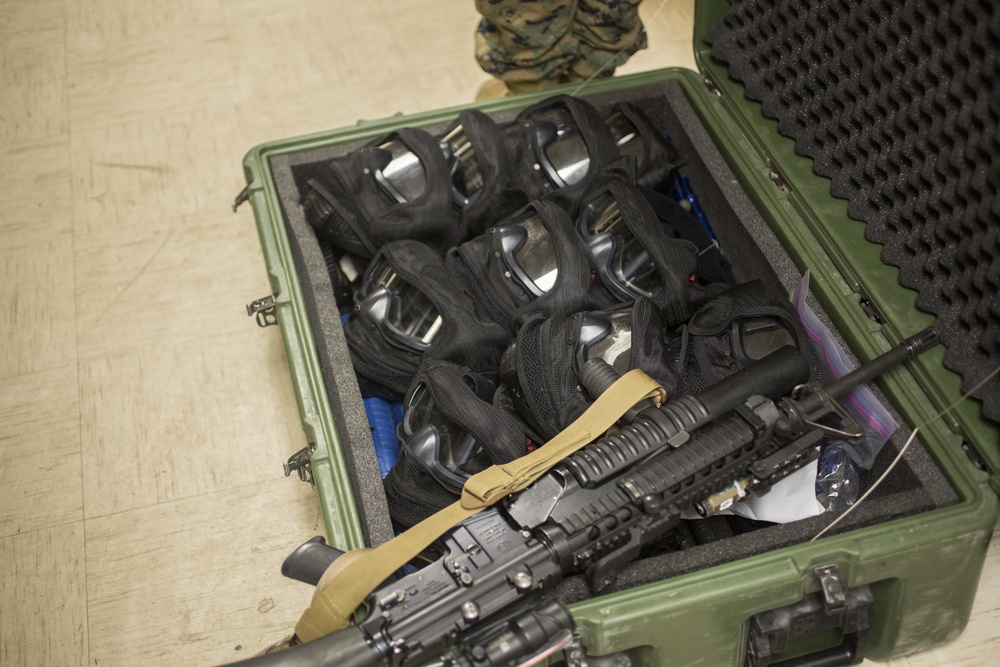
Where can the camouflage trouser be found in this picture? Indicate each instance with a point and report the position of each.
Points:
(532, 43)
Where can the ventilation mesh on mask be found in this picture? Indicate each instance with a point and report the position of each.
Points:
(413, 495)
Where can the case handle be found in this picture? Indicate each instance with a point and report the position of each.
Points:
(835, 608)
(835, 656)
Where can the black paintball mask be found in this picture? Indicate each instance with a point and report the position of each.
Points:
(531, 263)
(634, 254)
(450, 432)
(559, 145)
(481, 171)
(636, 135)
(450, 415)
(398, 187)
(407, 310)
(734, 329)
(542, 369)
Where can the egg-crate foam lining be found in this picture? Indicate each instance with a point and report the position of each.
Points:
(896, 102)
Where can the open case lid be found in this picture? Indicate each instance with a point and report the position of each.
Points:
(891, 107)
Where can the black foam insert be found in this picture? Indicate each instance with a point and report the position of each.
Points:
(350, 420)
(897, 103)
(916, 485)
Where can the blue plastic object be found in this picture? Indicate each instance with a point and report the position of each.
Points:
(398, 410)
(684, 191)
(379, 413)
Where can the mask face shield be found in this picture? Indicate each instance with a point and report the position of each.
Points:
(463, 165)
(607, 336)
(620, 259)
(400, 174)
(529, 252)
(563, 153)
(401, 311)
(626, 136)
(437, 443)
(754, 339)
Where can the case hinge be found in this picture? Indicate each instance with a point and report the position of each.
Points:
(263, 309)
(779, 181)
(973, 455)
(870, 311)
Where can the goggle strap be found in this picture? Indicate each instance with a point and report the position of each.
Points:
(328, 190)
(498, 434)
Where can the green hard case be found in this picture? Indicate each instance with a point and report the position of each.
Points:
(922, 569)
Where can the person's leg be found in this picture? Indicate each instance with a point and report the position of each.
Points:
(608, 33)
(528, 44)
(533, 44)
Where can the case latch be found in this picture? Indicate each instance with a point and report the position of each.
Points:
(834, 598)
(264, 310)
(787, 636)
(243, 196)
(301, 463)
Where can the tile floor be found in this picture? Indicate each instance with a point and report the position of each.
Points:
(143, 417)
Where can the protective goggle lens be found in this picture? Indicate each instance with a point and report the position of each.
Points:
(626, 135)
(466, 176)
(620, 256)
(606, 336)
(530, 253)
(755, 339)
(398, 305)
(564, 152)
(443, 447)
(402, 175)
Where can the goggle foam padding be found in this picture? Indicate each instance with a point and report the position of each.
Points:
(500, 436)
(546, 375)
(409, 487)
(522, 139)
(412, 493)
(712, 266)
(660, 158)
(675, 259)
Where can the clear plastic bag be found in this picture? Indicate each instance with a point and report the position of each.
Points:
(836, 478)
(861, 404)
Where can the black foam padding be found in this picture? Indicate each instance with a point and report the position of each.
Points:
(350, 420)
(897, 103)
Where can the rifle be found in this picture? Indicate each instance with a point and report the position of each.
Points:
(479, 603)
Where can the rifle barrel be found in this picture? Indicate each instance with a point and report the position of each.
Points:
(865, 373)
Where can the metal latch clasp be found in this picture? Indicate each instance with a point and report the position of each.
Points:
(264, 310)
(778, 636)
(834, 597)
(243, 196)
(301, 463)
